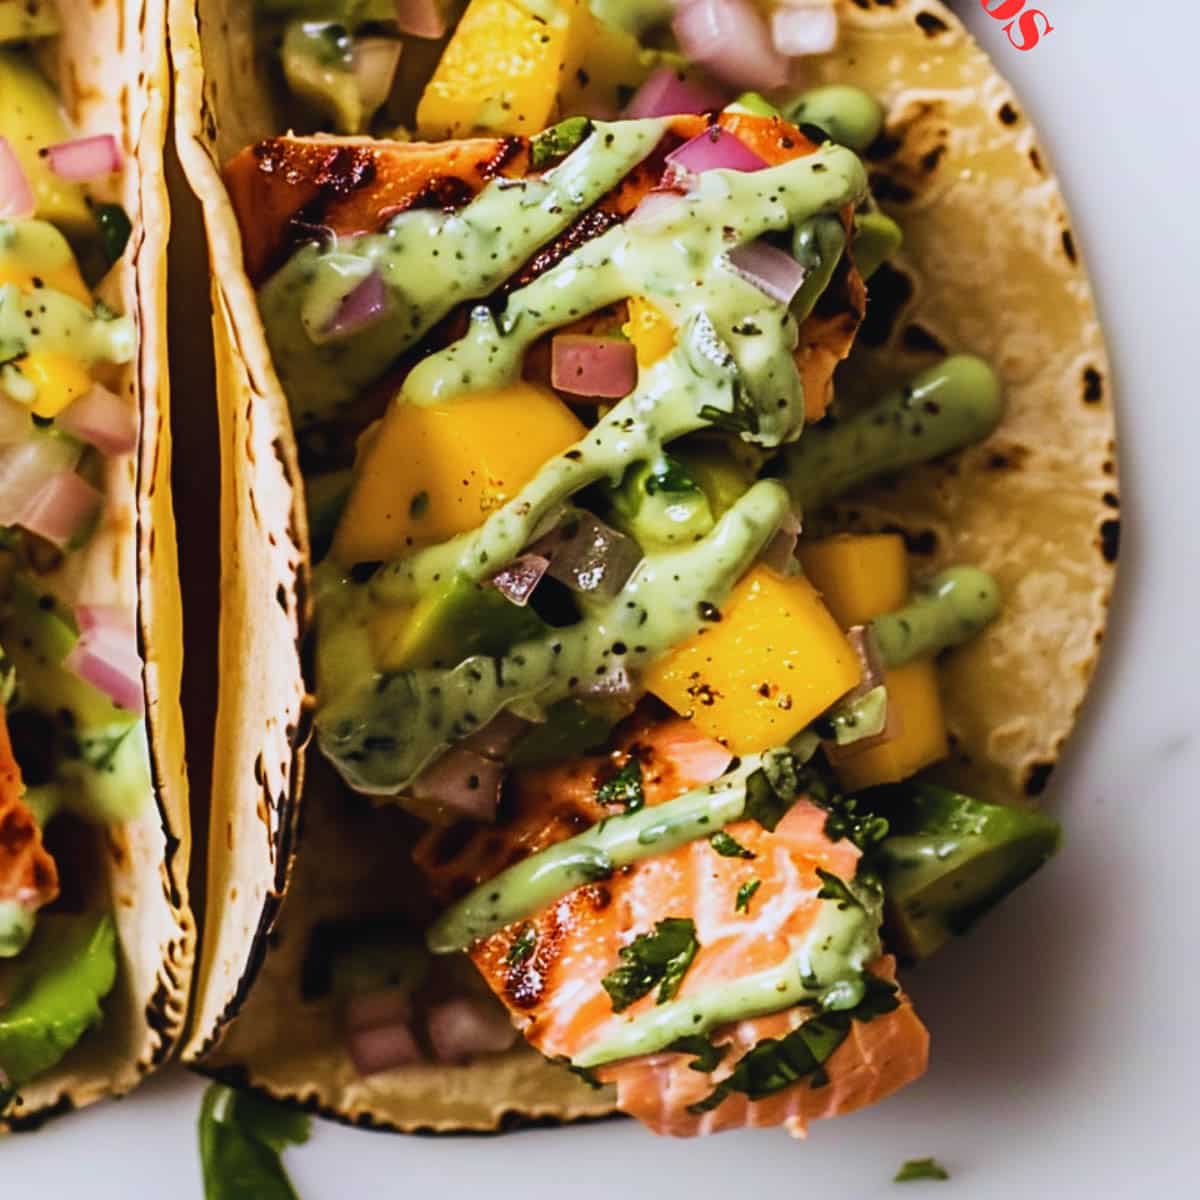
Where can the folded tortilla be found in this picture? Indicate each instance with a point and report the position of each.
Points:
(110, 66)
(990, 266)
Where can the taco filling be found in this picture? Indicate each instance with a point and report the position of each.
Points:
(73, 748)
(560, 346)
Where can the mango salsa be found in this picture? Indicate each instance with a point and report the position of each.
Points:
(858, 576)
(652, 335)
(433, 471)
(755, 676)
(861, 577)
(502, 69)
(921, 741)
(58, 378)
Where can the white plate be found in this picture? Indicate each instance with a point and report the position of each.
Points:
(1065, 1046)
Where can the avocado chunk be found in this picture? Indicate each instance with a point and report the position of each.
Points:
(33, 120)
(454, 621)
(24, 20)
(50, 997)
(950, 859)
(76, 748)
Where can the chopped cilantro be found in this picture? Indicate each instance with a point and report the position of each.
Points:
(865, 829)
(727, 846)
(653, 959)
(707, 1055)
(115, 229)
(921, 1168)
(625, 787)
(670, 476)
(558, 141)
(778, 1063)
(522, 947)
(241, 1137)
(833, 888)
(745, 894)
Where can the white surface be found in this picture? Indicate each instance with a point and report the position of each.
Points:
(1066, 1051)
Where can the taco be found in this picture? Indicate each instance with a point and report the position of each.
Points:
(96, 938)
(679, 504)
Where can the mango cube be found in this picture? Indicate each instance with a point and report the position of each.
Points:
(58, 378)
(433, 471)
(921, 741)
(861, 577)
(652, 335)
(757, 676)
(858, 576)
(501, 71)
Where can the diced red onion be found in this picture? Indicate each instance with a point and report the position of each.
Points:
(653, 206)
(421, 18)
(667, 93)
(581, 365)
(26, 467)
(519, 579)
(373, 1010)
(730, 40)
(463, 783)
(111, 665)
(362, 306)
(16, 196)
(108, 421)
(589, 556)
(60, 508)
(772, 270)
(800, 27)
(466, 1026)
(869, 657)
(85, 158)
(375, 63)
(383, 1049)
(715, 149)
(496, 738)
(109, 620)
(16, 423)
(780, 551)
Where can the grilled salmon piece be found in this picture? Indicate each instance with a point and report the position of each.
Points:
(554, 990)
(284, 188)
(28, 875)
(877, 1058)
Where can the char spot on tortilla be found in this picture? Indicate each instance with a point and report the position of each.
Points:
(1068, 243)
(888, 189)
(1008, 114)
(932, 24)
(1093, 386)
(1035, 157)
(1111, 499)
(1037, 777)
(1110, 539)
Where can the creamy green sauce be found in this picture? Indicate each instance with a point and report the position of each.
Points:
(381, 730)
(430, 261)
(826, 970)
(47, 320)
(539, 880)
(943, 408)
(951, 608)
